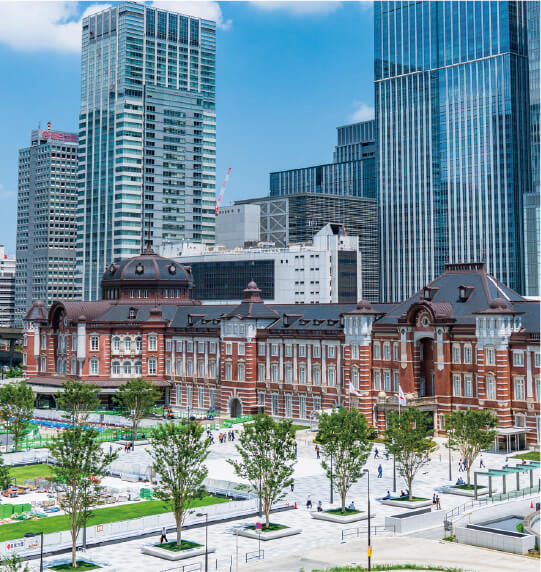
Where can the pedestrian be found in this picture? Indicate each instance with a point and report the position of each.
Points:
(380, 472)
(317, 451)
(164, 535)
(438, 505)
(434, 500)
(308, 503)
(481, 462)
(387, 454)
(465, 465)
(376, 454)
(319, 506)
(460, 466)
(296, 451)
(233, 435)
(110, 449)
(292, 487)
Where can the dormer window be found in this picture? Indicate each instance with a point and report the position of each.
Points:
(464, 292)
(132, 313)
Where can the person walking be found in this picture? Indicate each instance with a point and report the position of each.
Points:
(481, 462)
(292, 487)
(308, 503)
(317, 451)
(438, 505)
(319, 506)
(460, 466)
(164, 535)
(376, 453)
(380, 472)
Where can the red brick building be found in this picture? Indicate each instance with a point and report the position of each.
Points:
(464, 341)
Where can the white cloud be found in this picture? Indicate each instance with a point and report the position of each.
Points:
(50, 26)
(302, 8)
(363, 112)
(198, 8)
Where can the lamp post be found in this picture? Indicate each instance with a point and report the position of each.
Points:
(205, 514)
(369, 543)
(449, 447)
(331, 481)
(31, 535)
(394, 472)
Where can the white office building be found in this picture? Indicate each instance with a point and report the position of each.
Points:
(238, 225)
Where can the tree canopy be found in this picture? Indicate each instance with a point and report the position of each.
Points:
(17, 408)
(137, 397)
(78, 399)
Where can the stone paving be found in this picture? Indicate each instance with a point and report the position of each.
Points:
(309, 481)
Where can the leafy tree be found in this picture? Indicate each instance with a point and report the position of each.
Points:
(408, 438)
(78, 399)
(137, 397)
(346, 435)
(267, 450)
(17, 408)
(13, 563)
(179, 453)
(14, 372)
(4, 475)
(81, 463)
(470, 432)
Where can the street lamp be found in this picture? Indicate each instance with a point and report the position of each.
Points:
(205, 514)
(31, 535)
(331, 481)
(369, 544)
(449, 447)
(394, 471)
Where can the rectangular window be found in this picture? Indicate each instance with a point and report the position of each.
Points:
(289, 373)
(468, 384)
(387, 351)
(377, 379)
(289, 350)
(457, 384)
(518, 359)
(519, 389)
(331, 351)
(316, 375)
(201, 367)
(179, 366)
(189, 367)
(537, 387)
(456, 353)
(289, 406)
(261, 399)
(212, 347)
(377, 350)
(274, 404)
(396, 355)
(316, 351)
(331, 376)
(212, 369)
(302, 406)
(467, 354)
(190, 396)
(152, 343)
(240, 349)
(201, 347)
(274, 372)
(387, 380)
(491, 387)
(167, 345)
(179, 394)
(317, 403)
(240, 371)
(537, 359)
(302, 350)
(274, 350)
(261, 371)
(396, 379)
(354, 351)
(179, 346)
(261, 349)
(189, 346)
(43, 341)
(228, 348)
(168, 366)
(302, 374)
(212, 399)
(94, 367)
(94, 343)
(201, 397)
(490, 356)
(228, 370)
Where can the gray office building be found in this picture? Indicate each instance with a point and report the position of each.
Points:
(352, 173)
(297, 217)
(147, 135)
(452, 120)
(46, 225)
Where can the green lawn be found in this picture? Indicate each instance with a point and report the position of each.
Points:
(99, 516)
(184, 545)
(299, 427)
(339, 512)
(467, 487)
(413, 499)
(273, 526)
(29, 472)
(529, 456)
(81, 565)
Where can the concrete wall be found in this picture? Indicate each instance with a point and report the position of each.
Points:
(404, 523)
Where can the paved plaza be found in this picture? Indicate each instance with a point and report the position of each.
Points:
(317, 535)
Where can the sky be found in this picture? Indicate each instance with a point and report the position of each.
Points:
(288, 73)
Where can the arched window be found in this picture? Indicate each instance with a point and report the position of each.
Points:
(228, 370)
(138, 367)
(355, 377)
(115, 344)
(139, 343)
(456, 353)
(94, 366)
(490, 386)
(73, 365)
(127, 367)
(127, 344)
(152, 366)
(115, 368)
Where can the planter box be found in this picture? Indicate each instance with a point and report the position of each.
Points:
(155, 550)
(341, 519)
(58, 561)
(467, 493)
(270, 535)
(407, 504)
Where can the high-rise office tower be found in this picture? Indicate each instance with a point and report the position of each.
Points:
(532, 211)
(7, 289)
(452, 118)
(46, 227)
(147, 135)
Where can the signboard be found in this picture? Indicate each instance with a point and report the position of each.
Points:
(258, 526)
(58, 136)
(99, 528)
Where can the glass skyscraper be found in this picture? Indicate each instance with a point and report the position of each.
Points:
(147, 135)
(452, 119)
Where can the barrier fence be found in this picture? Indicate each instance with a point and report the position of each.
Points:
(362, 530)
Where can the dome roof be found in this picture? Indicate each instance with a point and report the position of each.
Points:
(145, 268)
(497, 304)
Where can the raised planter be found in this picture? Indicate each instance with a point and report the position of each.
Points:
(269, 535)
(346, 519)
(156, 550)
(406, 503)
(454, 490)
(67, 560)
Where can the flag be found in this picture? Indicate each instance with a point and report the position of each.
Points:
(401, 396)
(353, 390)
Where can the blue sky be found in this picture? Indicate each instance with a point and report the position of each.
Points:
(287, 75)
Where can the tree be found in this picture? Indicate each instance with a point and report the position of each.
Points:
(137, 397)
(267, 450)
(77, 400)
(408, 438)
(470, 432)
(17, 408)
(346, 435)
(179, 453)
(81, 463)
(4, 475)
(13, 563)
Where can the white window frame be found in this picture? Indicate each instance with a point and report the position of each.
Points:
(331, 351)
(490, 384)
(490, 356)
(376, 350)
(316, 375)
(94, 343)
(240, 349)
(228, 370)
(376, 379)
(387, 380)
(228, 348)
(302, 374)
(261, 349)
(289, 350)
(302, 350)
(261, 371)
(519, 388)
(468, 385)
(152, 366)
(241, 370)
(94, 366)
(457, 384)
(152, 343)
(331, 375)
(518, 358)
(456, 353)
(354, 351)
(387, 351)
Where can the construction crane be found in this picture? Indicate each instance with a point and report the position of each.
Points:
(222, 191)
